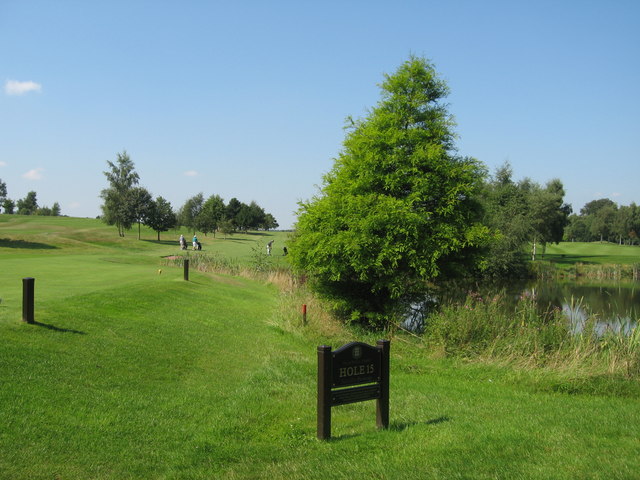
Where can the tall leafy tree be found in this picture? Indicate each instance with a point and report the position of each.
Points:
(160, 216)
(269, 222)
(3, 192)
(122, 177)
(232, 209)
(28, 205)
(8, 206)
(397, 209)
(189, 214)
(549, 214)
(139, 205)
(211, 214)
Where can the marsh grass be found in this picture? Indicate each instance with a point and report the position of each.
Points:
(481, 328)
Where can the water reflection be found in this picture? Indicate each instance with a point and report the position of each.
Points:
(610, 306)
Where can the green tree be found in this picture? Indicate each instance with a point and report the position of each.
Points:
(121, 177)
(139, 205)
(269, 222)
(506, 212)
(189, 213)
(3, 192)
(8, 206)
(160, 216)
(397, 209)
(549, 214)
(55, 210)
(28, 205)
(211, 214)
(232, 209)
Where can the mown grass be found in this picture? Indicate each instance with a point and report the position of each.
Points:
(132, 374)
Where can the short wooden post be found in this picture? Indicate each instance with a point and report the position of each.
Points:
(28, 297)
(324, 392)
(304, 314)
(382, 403)
(186, 269)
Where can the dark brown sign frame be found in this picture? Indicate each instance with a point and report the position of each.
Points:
(355, 372)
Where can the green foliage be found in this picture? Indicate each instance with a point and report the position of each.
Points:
(160, 216)
(520, 213)
(397, 209)
(116, 208)
(28, 205)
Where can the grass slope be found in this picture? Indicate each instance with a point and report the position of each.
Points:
(134, 375)
(570, 253)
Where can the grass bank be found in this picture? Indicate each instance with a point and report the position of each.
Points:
(134, 374)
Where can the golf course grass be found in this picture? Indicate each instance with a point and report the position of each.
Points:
(131, 372)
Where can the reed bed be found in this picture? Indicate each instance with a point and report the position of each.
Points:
(480, 328)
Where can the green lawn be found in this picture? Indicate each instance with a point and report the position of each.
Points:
(569, 253)
(132, 374)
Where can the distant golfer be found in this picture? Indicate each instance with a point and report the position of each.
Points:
(269, 245)
(195, 242)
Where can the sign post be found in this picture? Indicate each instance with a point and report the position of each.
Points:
(355, 372)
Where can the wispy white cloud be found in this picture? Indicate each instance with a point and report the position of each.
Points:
(616, 194)
(34, 174)
(15, 87)
(3, 164)
(190, 173)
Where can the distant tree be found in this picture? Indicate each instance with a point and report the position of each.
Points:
(593, 206)
(55, 210)
(3, 192)
(8, 206)
(211, 214)
(506, 212)
(577, 229)
(602, 222)
(398, 208)
(227, 227)
(232, 209)
(121, 177)
(189, 213)
(160, 217)
(269, 222)
(244, 217)
(549, 214)
(139, 205)
(44, 211)
(28, 205)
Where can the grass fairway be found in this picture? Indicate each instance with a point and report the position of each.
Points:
(131, 374)
(570, 253)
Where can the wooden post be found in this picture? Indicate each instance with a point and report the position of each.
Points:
(382, 403)
(28, 296)
(186, 269)
(324, 392)
(304, 314)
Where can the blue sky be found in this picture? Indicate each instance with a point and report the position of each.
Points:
(248, 99)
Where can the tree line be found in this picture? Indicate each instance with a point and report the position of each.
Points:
(125, 204)
(603, 220)
(27, 205)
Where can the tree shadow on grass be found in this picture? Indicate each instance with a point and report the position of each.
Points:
(58, 329)
(8, 243)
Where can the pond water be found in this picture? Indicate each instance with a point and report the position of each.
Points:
(614, 304)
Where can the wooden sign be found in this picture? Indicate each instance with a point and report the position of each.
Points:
(341, 370)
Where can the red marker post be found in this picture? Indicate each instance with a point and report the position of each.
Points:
(304, 314)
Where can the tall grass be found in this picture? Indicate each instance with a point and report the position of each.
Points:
(481, 328)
